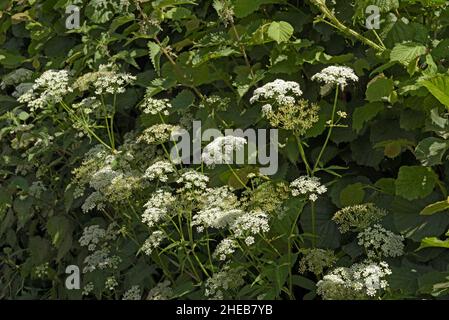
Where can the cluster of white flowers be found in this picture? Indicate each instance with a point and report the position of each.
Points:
(360, 281)
(219, 208)
(223, 281)
(215, 217)
(250, 224)
(153, 242)
(111, 283)
(283, 92)
(336, 75)
(41, 271)
(193, 180)
(221, 150)
(157, 134)
(94, 200)
(162, 291)
(155, 106)
(88, 288)
(132, 294)
(101, 259)
(159, 170)
(50, 88)
(316, 260)
(158, 207)
(87, 105)
(92, 236)
(225, 248)
(102, 178)
(110, 81)
(306, 185)
(379, 242)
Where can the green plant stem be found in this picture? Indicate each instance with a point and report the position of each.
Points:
(321, 5)
(303, 154)
(329, 133)
(313, 215)
(238, 178)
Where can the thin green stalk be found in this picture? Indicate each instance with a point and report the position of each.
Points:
(303, 154)
(329, 133)
(238, 178)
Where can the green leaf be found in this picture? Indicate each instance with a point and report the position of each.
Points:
(379, 89)
(439, 88)
(183, 100)
(415, 182)
(280, 31)
(364, 114)
(433, 242)
(352, 194)
(60, 229)
(435, 208)
(406, 52)
(155, 55)
(430, 151)
(242, 8)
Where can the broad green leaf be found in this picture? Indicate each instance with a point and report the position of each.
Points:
(364, 114)
(415, 182)
(406, 52)
(439, 88)
(435, 208)
(430, 151)
(280, 31)
(352, 194)
(379, 89)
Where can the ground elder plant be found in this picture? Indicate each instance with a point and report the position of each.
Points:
(90, 120)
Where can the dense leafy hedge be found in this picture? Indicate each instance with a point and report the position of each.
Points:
(85, 177)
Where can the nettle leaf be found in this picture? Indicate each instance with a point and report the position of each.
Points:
(407, 52)
(379, 89)
(439, 88)
(280, 31)
(155, 56)
(430, 151)
(365, 114)
(415, 182)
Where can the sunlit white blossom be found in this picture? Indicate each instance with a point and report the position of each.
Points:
(221, 150)
(336, 75)
(309, 186)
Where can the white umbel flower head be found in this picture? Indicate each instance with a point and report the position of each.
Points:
(336, 75)
(153, 242)
(284, 92)
(309, 186)
(159, 170)
(250, 224)
(221, 150)
(225, 248)
(157, 208)
(154, 106)
(50, 88)
(361, 281)
(379, 242)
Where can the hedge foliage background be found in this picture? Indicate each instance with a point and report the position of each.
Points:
(387, 154)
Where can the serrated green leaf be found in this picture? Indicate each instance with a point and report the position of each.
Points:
(406, 52)
(435, 208)
(439, 88)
